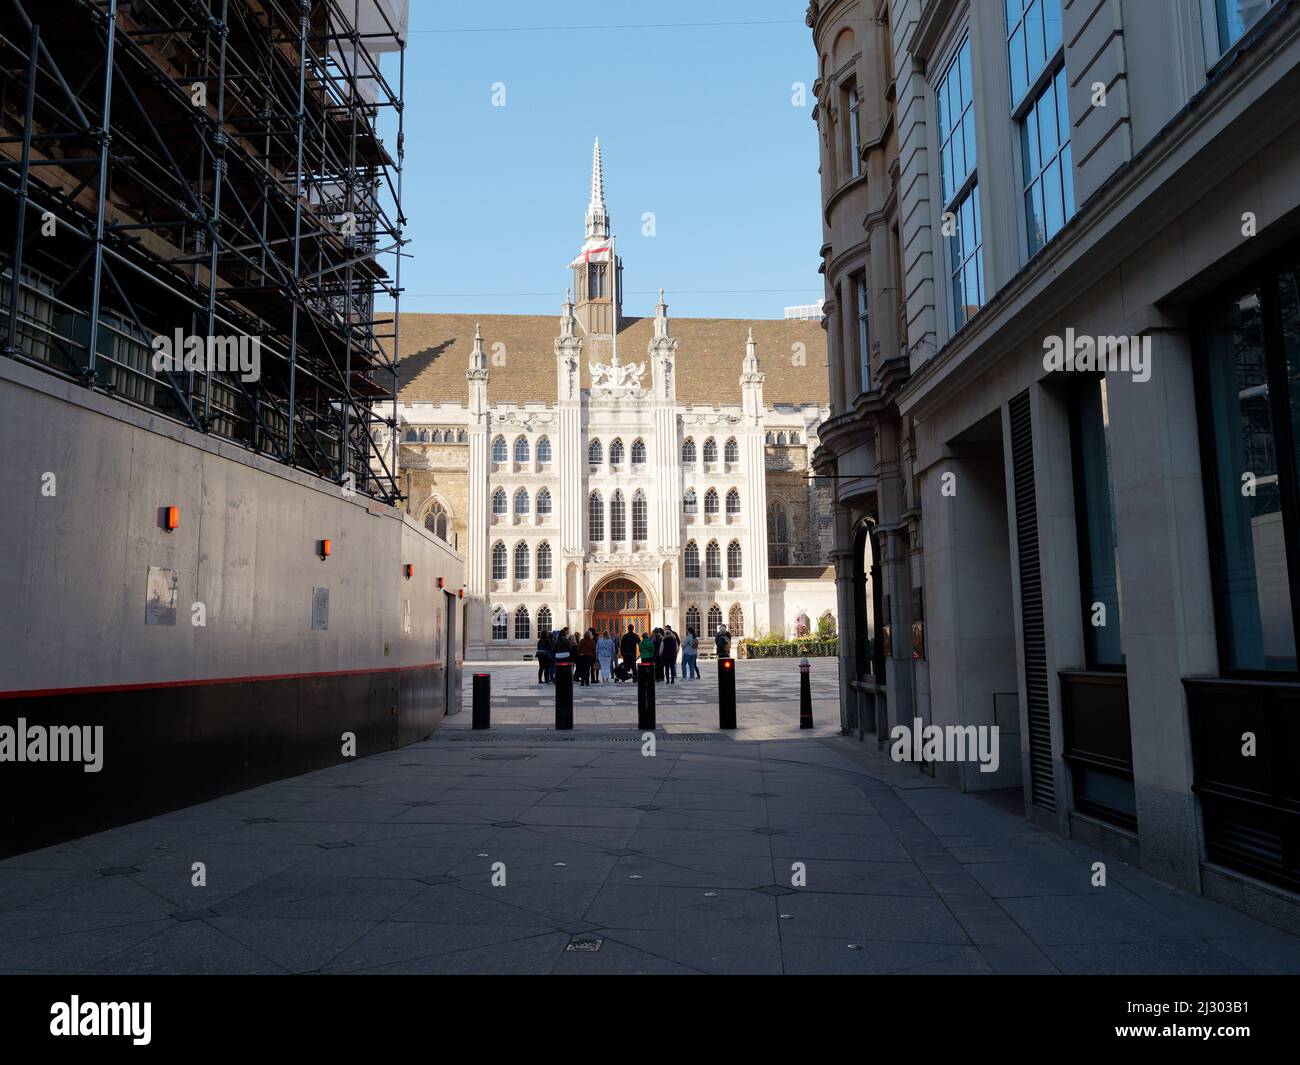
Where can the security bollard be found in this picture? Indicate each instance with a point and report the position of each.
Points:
(564, 695)
(482, 701)
(726, 693)
(805, 693)
(645, 696)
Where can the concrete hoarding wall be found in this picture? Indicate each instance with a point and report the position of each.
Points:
(190, 710)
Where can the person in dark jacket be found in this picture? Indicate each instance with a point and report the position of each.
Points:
(658, 635)
(586, 656)
(543, 657)
(628, 645)
(668, 655)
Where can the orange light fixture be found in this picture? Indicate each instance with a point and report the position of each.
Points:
(326, 546)
(409, 570)
(173, 518)
(439, 582)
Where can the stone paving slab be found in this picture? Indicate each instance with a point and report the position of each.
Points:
(684, 862)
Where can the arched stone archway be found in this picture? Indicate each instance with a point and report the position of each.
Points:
(619, 601)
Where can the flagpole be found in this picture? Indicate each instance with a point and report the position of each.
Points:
(613, 266)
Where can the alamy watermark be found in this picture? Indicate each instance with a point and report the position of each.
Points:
(53, 743)
(946, 743)
(1108, 354)
(240, 354)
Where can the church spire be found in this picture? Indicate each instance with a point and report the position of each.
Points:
(597, 216)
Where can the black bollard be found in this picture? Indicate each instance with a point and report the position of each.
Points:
(726, 693)
(482, 700)
(805, 693)
(645, 696)
(564, 694)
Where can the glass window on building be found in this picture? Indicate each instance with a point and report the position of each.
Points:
(960, 224)
(1251, 382)
(500, 624)
(1235, 17)
(1095, 516)
(864, 331)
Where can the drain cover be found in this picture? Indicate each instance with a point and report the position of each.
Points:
(502, 757)
(587, 944)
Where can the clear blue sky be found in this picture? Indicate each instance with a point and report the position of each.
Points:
(695, 122)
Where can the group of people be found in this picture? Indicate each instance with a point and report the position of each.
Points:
(601, 658)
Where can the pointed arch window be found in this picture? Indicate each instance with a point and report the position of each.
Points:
(770, 438)
(595, 517)
(780, 439)
(616, 453)
(640, 519)
(731, 452)
(544, 450)
(733, 560)
(617, 518)
(710, 502)
(522, 559)
(713, 561)
(521, 449)
(499, 501)
(500, 623)
(688, 452)
(710, 453)
(692, 561)
(595, 453)
(521, 501)
(638, 452)
(436, 520)
(499, 454)
(523, 624)
(715, 619)
(543, 562)
(544, 621)
(412, 436)
(794, 438)
(544, 501)
(424, 436)
(460, 436)
(736, 620)
(733, 502)
(437, 436)
(689, 503)
(693, 619)
(498, 561)
(778, 534)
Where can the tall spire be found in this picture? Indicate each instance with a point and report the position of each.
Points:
(597, 216)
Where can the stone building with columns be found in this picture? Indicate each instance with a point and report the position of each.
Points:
(1062, 254)
(603, 470)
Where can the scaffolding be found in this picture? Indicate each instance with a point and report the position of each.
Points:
(203, 216)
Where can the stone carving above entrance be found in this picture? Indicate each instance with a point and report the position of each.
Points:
(617, 378)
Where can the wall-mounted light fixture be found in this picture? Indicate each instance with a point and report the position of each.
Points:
(408, 571)
(171, 518)
(440, 582)
(325, 547)
(461, 594)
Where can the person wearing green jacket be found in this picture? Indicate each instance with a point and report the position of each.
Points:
(647, 649)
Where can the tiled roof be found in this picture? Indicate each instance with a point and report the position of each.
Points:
(435, 349)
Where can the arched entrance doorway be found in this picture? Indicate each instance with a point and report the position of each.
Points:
(618, 603)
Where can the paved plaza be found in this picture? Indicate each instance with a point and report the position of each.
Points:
(767, 850)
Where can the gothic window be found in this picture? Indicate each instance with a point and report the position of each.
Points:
(500, 623)
(736, 621)
(544, 450)
(595, 281)
(640, 520)
(499, 449)
(710, 453)
(412, 436)
(617, 518)
(780, 439)
(595, 517)
(693, 620)
(437, 436)
(544, 620)
(770, 438)
(715, 619)
(521, 561)
(543, 499)
(689, 502)
(733, 559)
(436, 520)
(794, 438)
(424, 436)
(731, 452)
(616, 453)
(499, 501)
(460, 436)
(638, 453)
(595, 453)
(498, 561)
(521, 449)
(543, 564)
(521, 501)
(733, 502)
(688, 452)
(710, 502)
(778, 535)
(692, 562)
(522, 626)
(713, 561)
